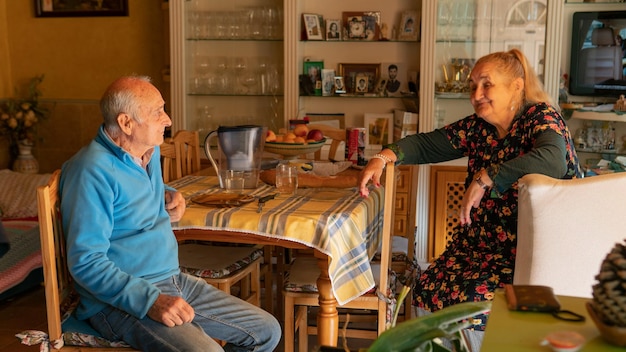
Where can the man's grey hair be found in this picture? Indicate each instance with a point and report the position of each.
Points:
(120, 99)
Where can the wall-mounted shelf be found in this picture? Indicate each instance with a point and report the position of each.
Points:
(608, 116)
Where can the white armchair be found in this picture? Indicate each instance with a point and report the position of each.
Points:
(566, 228)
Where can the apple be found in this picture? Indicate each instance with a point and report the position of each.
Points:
(270, 136)
(300, 130)
(315, 135)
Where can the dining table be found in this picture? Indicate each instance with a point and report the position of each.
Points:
(342, 227)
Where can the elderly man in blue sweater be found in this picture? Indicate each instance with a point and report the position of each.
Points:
(121, 249)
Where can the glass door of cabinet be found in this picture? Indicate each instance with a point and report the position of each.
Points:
(227, 63)
(469, 29)
(455, 33)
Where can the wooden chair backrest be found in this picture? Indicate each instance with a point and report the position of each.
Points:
(337, 136)
(188, 144)
(170, 155)
(57, 279)
(385, 249)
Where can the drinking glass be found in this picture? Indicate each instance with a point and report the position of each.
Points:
(232, 180)
(286, 178)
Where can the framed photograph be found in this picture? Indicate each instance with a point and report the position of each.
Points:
(362, 83)
(311, 23)
(313, 70)
(328, 82)
(379, 130)
(77, 8)
(350, 72)
(333, 29)
(396, 79)
(340, 87)
(361, 25)
(409, 27)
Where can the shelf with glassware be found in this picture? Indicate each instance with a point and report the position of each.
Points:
(227, 64)
(599, 147)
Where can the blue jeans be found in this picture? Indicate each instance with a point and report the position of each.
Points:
(243, 326)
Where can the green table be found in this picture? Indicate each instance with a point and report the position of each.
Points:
(523, 331)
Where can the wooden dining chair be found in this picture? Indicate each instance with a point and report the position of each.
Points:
(337, 136)
(188, 145)
(300, 288)
(221, 265)
(170, 154)
(65, 332)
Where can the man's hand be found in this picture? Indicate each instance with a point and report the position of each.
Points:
(174, 205)
(171, 311)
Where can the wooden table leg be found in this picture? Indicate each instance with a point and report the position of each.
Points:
(327, 317)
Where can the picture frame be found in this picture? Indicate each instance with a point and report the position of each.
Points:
(362, 83)
(85, 8)
(312, 26)
(336, 120)
(395, 75)
(363, 25)
(328, 82)
(313, 70)
(349, 72)
(379, 130)
(409, 27)
(333, 30)
(340, 87)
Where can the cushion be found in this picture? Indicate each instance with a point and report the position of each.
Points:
(399, 249)
(214, 262)
(303, 274)
(18, 193)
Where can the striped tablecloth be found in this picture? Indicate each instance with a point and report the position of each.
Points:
(337, 222)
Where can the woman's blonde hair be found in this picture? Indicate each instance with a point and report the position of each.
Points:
(513, 64)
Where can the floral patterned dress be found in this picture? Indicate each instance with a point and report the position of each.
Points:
(481, 257)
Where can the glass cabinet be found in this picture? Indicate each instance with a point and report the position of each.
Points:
(455, 33)
(227, 63)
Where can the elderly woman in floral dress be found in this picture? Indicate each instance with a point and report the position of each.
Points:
(514, 131)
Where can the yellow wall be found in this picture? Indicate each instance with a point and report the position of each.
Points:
(79, 56)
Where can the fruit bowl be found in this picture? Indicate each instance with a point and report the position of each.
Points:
(293, 150)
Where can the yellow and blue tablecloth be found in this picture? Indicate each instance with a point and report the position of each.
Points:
(337, 222)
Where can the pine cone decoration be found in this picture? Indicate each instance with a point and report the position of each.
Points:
(609, 294)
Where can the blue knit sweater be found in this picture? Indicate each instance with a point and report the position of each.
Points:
(119, 236)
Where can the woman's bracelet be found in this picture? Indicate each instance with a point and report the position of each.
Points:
(482, 184)
(382, 157)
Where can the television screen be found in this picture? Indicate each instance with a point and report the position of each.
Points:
(598, 54)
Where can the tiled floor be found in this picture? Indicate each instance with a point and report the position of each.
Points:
(28, 312)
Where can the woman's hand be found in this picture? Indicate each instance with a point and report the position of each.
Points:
(372, 172)
(473, 195)
(175, 205)
(171, 311)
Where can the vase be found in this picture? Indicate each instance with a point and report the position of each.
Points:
(25, 162)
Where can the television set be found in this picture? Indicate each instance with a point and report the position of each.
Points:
(597, 57)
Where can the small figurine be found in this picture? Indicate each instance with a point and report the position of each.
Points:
(384, 31)
(620, 104)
